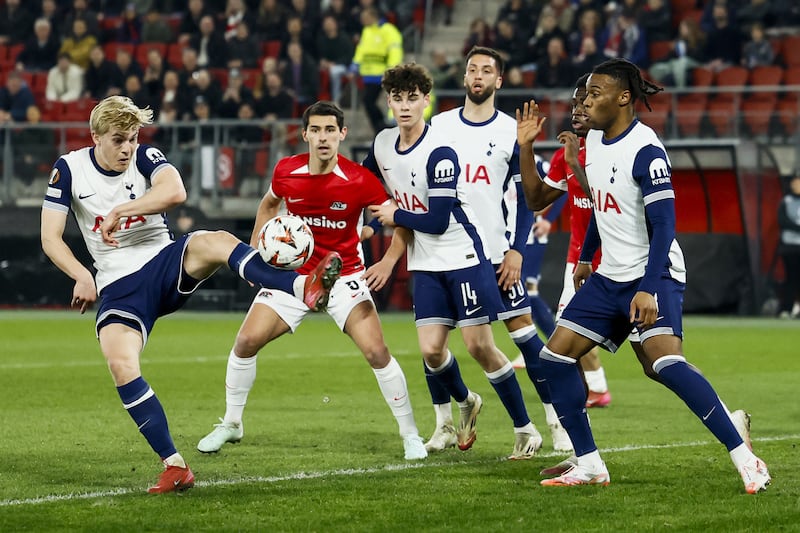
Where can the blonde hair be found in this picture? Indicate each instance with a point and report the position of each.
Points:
(119, 113)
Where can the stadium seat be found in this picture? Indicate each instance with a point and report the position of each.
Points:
(529, 78)
(112, 47)
(702, 77)
(270, 49)
(757, 115)
(658, 117)
(175, 55)
(790, 50)
(771, 75)
(144, 48)
(723, 109)
(13, 51)
(690, 113)
(658, 50)
(679, 10)
(52, 111)
(788, 111)
(250, 76)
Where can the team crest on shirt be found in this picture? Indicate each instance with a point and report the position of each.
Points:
(155, 155)
(55, 175)
(491, 147)
(338, 206)
(659, 171)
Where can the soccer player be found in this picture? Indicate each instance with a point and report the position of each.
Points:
(119, 191)
(544, 190)
(329, 192)
(453, 283)
(639, 283)
(485, 141)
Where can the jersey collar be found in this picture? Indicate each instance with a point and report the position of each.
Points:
(100, 169)
(470, 123)
(621, 135)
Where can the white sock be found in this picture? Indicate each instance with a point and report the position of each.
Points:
(444, 414)
(741, 455)
(392, 383)
(591, 461)
(596, 380)
(527, 428)
(239, 380)
(175, 460)
(550, 414)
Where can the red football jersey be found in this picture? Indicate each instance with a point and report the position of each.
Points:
(330, 204)
(580, 206)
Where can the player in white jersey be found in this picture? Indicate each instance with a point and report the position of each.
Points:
(318, 186)
(453, 283)
(639, 283)
(119, 191)
(485, 140)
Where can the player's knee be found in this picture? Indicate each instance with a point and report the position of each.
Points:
(377, 356)
(247, 345)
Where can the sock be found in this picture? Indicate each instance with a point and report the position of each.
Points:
(550, 413)
(449, 375)
(569, 398)
(542, 314)
(143, 406)
(698, 394)
(530, 345)
(392, 383)
(439, 394)
(444, 414)
(506, 385)
(741, 455)
(592, 461)
(175, 459)
(247, 263)
(239, 379)
(596, 380)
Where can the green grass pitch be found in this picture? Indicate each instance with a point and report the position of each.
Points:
(321, 452)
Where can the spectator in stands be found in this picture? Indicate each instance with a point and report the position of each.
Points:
(101, 76)
(166, 136)
(338, 10)
(235, 12)
(758, 50)
(236, 94)
(138, 93)
(546, 29)
(212, 49)
(555, 71)
(518, 13)
(300, 73)
(724, 41)
(380, 47)
(335, 52)
(126, 66)
(787, 12)
(206, 86)
(174, 96)
(244, 50)
(754, 12)
(296, 32)
(789, 248)
(707, 18)
(480, 34)
(590, 24)
(186, 72)
(513, 81)
(564, 12)
(445, 74)
(623, 38)
(584, 5)
(190, 20)
(78, 44)
(511, 46)
(276, 102)
(248, 139)
(589, 55)
(16, 22)
(271, 21)
(308, 13)
(153, 79)
(80, 11)
(49, 10)
(64, 81)
(32, 146)
(155, 29)
(41, 51)
(129, 29)
(655, 20)
(688, 52)
(15, 99)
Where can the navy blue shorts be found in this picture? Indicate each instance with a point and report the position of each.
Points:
(600, 310)
(515, 300)
(159, 288)
(464, 297)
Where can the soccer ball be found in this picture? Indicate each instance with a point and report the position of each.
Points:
(285, 242)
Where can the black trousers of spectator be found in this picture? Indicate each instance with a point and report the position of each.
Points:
(372, 91)
(791, 292)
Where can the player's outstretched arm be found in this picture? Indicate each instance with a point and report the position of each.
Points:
(378, 275)
(267, 209)
(571, 148)
(167, 192)
(538, 195)
(52, 234)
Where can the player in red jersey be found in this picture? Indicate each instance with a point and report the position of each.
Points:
(329, 192)
(560, 179)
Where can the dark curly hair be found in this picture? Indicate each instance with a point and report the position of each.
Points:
(407, 77)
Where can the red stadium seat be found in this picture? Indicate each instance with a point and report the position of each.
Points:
(529, 78)
(788, 111)
(689, 114)
(52, 111)
(723, 109)
(765, 76)
(658, 50)
(790, 50)
(144, 48)
(757, 115)
(270, 49)
(111, 49)
(175, 54)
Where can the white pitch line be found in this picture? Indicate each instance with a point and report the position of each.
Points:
(299, 476)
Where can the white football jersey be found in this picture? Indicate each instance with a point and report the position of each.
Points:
(626, 174)
(411, 179)
(78, 183)
(489, 157)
